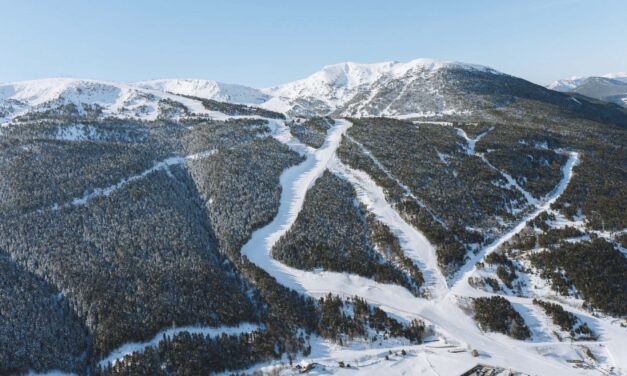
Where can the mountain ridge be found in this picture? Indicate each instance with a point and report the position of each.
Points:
(610, 87)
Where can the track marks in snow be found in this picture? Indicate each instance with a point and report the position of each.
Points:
(470, 148)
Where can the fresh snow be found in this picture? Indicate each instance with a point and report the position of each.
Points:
(470, 267)
(470, 148)
(572, 83)
(332, 86)
(414, 243)
(406, 189)
(77, 132)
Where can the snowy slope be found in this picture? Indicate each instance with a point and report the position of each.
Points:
(565, 85)
(113, 98)
(540, 355)
(611, 87)
(207, 89)
(572, 83)
(116, 99)
(331, 88)
(620, 76)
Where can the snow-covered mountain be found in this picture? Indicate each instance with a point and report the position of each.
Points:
(370, 89)
(415, 89)
(140, 100)
(447, 218)
(573, 82)
(611, 87)
(207, 89)
(110, 98)
(419, 88)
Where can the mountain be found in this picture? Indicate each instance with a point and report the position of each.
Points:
(611, 87)
(392, 218)
(423, 88)
(376, 87)
(107, 98)
(207, 89)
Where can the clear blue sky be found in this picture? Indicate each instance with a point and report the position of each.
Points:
(266, 42)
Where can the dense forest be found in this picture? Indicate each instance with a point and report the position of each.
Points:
(496, 314)
(596, 269)
(115, 229)
(331, 232)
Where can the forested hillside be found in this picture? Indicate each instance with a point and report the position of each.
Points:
(370, 215)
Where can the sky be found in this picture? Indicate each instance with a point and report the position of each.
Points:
(264, 43)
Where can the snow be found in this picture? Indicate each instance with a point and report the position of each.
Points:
(129, 348)
(137, 101)
(207, 89)
(332, 86)
(442, 157)
(511, 182)
(470, 267)
(541, 355)
(405, 188)
(336, 84)
(77, 132)
(572, 83)
(157, 166)
(413, 242)
(566, 85)
(619, 76)
(371, 360)
(470, 149)
(443, 311)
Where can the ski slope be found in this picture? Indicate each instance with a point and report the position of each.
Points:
(534, 357)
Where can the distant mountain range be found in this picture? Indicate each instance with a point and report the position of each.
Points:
(610, 87)
(422, 88)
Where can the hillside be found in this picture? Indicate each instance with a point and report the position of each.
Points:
(390, 218)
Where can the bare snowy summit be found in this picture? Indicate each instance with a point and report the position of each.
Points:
(334, 86)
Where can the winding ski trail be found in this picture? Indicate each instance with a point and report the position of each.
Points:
(444, 310)
(414, 244)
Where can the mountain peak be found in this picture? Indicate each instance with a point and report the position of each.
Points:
(334, 86)
(354, 74)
